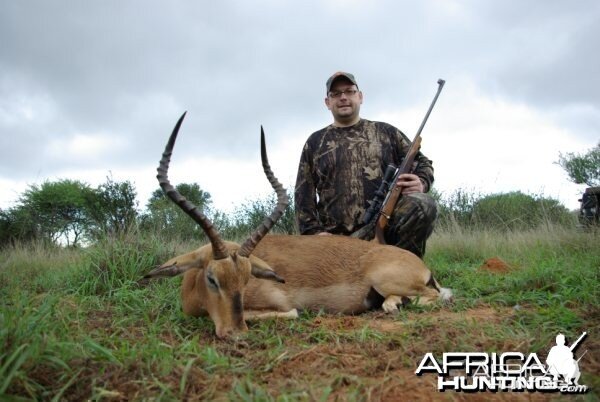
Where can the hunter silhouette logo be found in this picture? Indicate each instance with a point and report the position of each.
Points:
(560, 360)
(508, 371)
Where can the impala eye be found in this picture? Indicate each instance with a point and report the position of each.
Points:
(212, 283)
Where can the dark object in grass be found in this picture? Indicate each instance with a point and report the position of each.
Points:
(589, 211)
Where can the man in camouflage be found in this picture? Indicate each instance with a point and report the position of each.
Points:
(342, 166)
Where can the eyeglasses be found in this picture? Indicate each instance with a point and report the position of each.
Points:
(347, 92)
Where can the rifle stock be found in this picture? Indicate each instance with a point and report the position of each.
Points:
(394, 193)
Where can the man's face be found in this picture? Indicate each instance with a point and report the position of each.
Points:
(344, 100)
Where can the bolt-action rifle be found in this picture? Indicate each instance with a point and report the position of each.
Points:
(388, 194)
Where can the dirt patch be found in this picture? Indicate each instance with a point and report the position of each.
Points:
(374, 371)
(370, 356)
(100, 320)
(495, 265)
(321, 360)
(337, 323)
(389, 323)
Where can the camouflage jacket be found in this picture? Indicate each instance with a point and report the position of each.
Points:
(341, 168)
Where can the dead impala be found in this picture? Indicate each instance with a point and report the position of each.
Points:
(276, 275)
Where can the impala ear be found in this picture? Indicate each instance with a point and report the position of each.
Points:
(262, 270)
(178, 265)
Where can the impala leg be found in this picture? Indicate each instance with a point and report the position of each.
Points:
(262, 315)
(404, 281)
(392, 302)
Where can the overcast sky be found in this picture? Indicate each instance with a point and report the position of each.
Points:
(92, 88)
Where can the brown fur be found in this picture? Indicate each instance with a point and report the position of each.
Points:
(333, 273)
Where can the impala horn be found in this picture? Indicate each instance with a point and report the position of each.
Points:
(282, 203)
(218, 246)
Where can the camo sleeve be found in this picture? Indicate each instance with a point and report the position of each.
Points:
(305, 195)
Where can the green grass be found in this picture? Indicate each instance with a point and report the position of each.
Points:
(77, 324)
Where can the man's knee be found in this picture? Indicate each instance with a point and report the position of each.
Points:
(412, 223)
(418, 203)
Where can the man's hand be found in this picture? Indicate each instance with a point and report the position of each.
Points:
(323, 234)
(410, 183)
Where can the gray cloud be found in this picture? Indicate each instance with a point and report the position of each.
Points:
(127, 70)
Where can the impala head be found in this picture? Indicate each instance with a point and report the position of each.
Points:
(221, 269)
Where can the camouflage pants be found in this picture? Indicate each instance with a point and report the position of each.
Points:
(411, 223)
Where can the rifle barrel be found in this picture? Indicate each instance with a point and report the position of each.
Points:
(574, 345)
(441, 83)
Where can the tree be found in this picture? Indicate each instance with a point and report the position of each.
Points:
(7, 228)
(17, 224)
(168, 219)
(582, 168)
(69, 211)
(248, 216)
(111, 207)
(57, 210)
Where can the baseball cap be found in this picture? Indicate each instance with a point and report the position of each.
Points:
(337, 75)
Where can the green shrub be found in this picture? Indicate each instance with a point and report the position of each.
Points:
(251, 214)
(456, 209)
(518, 211)
(504, 211)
